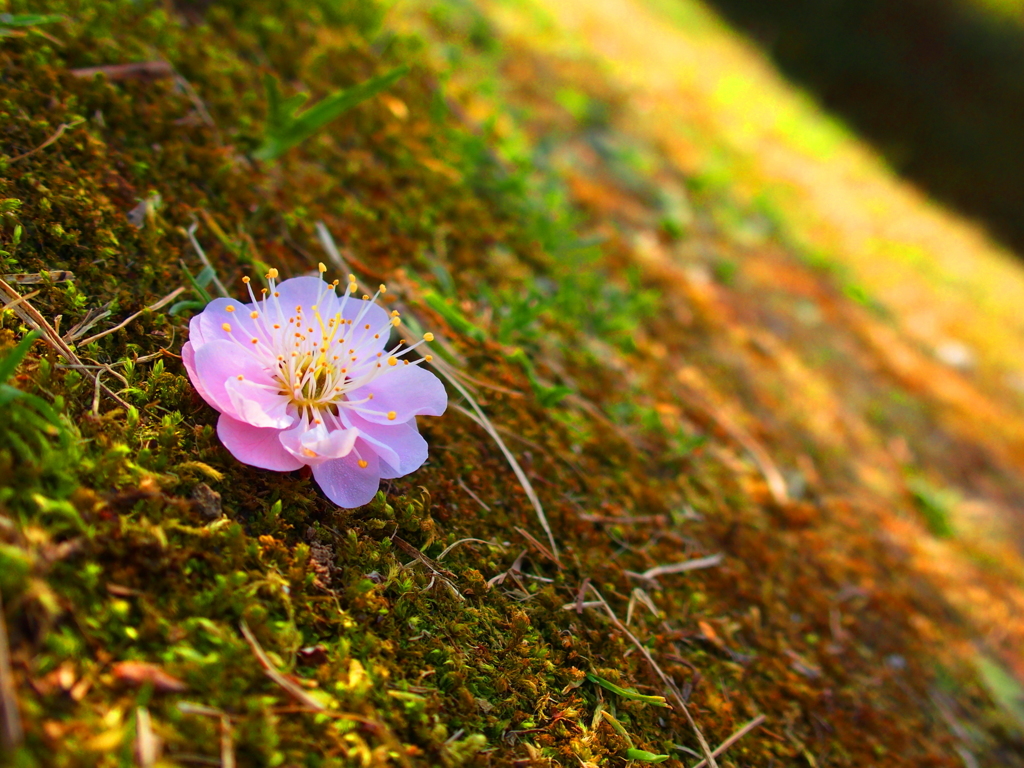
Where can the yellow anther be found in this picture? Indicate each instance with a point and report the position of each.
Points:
(392, 415)
(363, 463)
(395, 313)
(321, 267)
(246, 280)
(370, 396)
(366, 297)
(241, 377)
(392, 360)
(255, 341)
(229, 308)
(351, 278)
(254, 315)
(428, 358)
(396, 321)
(352, 288)
(383, 288)
(310, 453)
(272, 274)
(226, 327)
(428, 336)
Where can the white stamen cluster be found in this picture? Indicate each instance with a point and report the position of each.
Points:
(315, 361)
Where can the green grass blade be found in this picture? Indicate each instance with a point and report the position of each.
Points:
(627, 693)
(285, 129)
(15, 356)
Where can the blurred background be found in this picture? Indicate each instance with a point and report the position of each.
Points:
(936, 85)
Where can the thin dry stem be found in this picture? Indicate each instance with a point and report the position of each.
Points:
(733, 739)
(480, 418)
(29, 314)
(12, 731)
(293, 690)
(669, 684)
(327, 241)
(157, 305)
(191, 232)
(687, 565)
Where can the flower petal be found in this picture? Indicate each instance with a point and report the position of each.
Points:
(314, 443)
(400, 447)
(218, 361)
(188, 357)
(347, 484)
(259, 404)
(406, 391)
(255, 446)
(223, 314)
(306, 292)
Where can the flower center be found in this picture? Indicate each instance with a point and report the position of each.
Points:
(316, 362)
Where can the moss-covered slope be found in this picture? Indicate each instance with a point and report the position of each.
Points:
(165, 604)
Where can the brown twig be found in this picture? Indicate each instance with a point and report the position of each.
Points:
(35, 278)
(139, 70)
(290, 687)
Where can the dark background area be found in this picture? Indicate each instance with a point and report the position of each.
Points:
(936, 85)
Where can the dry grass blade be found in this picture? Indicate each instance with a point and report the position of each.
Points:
(23, 309)
(773, 477)
(454, 544)
(157, 305)
(12, 731)
(53, 137)
(147, 745)
(671, 686)
(435, 569)
(93, 316)
(227, 746)
(687, 565)
(11, 305)
(140, 70)
(473, 496)
(37, 278)
(294, 690)
(626, 520)
(480, 418)
(331, 248)
(733, 739)
(191, 232)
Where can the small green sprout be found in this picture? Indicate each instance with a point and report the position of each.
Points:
(287, 127)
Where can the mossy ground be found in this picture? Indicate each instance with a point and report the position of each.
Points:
(501, 193)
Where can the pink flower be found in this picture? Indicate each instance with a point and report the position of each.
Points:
(303, 377)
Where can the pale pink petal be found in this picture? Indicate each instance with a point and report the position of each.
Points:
(188, 358)
(195, 330)
(261, 405)
(406, 391)
(347, 484)
(307, 292)
(400, 447)
(228, 318)
(217, 361)
(255, 446)
(314, 443)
